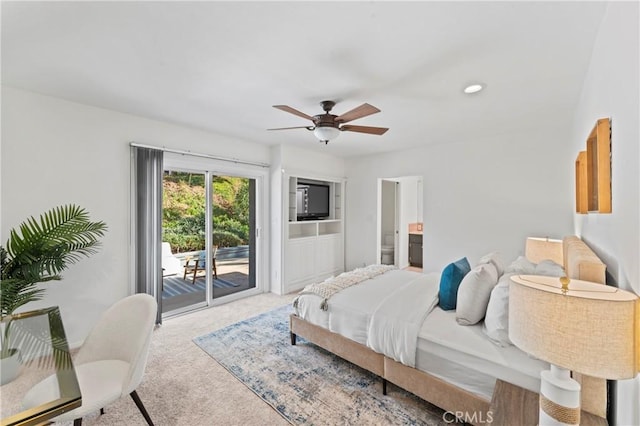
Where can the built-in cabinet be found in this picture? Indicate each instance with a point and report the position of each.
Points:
(313, 249)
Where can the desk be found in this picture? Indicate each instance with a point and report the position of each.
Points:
(40, 338)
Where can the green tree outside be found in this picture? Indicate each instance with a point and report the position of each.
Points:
(183, 212)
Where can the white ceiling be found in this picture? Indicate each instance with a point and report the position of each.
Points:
(220, 66)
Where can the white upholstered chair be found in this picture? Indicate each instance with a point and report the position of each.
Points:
(111, 362)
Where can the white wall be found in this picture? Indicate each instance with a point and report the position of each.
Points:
(277, 219)
(611, 89)
(57, 152)
(312, 164)
(409, 196)
(479, 196)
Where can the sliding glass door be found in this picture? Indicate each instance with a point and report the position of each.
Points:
(184, 230)
(233, 234)
(210, 235)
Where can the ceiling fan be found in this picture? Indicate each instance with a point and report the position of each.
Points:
(328, 126)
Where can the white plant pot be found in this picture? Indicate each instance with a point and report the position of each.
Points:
(9, 367)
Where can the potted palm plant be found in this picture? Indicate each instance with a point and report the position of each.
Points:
(36, 252)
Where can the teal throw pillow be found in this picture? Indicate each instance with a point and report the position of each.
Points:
(450, 281)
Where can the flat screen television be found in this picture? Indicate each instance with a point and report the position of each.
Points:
(312, 201)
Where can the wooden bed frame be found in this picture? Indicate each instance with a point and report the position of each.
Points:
(579, 261)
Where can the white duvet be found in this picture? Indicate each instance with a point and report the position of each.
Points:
(396, 322)
(384, 313)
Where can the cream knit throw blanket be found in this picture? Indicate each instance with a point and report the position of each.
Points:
(333, 285)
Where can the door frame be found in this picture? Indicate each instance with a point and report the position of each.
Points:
(401, 249)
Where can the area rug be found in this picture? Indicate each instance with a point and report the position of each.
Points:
(306, 384)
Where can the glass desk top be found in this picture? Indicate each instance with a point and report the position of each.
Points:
(42, 350)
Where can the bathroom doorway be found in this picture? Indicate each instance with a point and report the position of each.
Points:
(400, 222)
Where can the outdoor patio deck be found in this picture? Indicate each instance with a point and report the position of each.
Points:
(233, 276)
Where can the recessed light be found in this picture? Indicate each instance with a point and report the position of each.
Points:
(473, 88)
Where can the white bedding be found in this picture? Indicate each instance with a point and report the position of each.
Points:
(396, 321)
(465, 357)
(460, 355)
(350, 311)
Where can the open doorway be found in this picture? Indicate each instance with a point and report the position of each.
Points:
(400, 222)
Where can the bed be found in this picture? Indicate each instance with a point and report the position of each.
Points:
(453, 367)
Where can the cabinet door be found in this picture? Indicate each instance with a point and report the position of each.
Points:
(329, 255)
(299, 262)
(415, 250)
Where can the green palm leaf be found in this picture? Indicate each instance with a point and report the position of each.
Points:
(40, 249)
(61, 237)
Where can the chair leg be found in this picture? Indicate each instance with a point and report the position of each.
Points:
(136, 399)
(215, 270)
(77, 422)
(195, 272)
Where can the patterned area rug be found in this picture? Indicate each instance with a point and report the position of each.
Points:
(306, 384)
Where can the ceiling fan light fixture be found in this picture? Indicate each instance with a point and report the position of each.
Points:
(326, 133)
(328, 126)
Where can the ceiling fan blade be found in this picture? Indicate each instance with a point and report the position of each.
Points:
(297, 127)
(365, 129)
(293, 111)
(358, 112)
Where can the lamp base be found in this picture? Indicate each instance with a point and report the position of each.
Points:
(559, 398)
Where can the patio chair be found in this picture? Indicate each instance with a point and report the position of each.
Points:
(170, 263)
(200, 264)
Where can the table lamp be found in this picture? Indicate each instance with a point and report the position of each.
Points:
(578, 326)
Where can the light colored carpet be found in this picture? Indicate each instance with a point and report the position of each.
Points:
(306, 384)
(182, 384)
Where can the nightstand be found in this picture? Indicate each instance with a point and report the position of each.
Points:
(512, 405)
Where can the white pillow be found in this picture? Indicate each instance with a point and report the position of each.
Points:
(494, 258)
(549, 268)
(474, 292)
(521, 266)
(496, 320)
